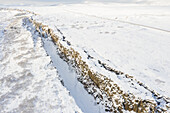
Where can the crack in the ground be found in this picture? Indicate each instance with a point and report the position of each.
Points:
(90, 79)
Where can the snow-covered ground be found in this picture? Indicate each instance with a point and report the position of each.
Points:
(133, 39)
(28, 81)
(129, 38)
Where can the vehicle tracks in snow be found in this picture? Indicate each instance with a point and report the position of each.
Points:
(121, 21)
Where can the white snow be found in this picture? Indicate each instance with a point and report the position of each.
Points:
(85, 101)
(28, 81)
(134, 39)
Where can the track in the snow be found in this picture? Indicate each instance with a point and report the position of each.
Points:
(121, 21)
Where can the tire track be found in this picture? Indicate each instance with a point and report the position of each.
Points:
(121, 21)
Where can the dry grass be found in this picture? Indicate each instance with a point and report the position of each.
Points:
(118, 99)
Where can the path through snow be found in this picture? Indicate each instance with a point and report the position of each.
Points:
(28, 81)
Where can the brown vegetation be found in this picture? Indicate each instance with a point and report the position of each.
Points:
(117, 98)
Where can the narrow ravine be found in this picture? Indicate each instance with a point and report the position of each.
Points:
(67, 74)
(85, 101)
(123, 100)
(81, 81)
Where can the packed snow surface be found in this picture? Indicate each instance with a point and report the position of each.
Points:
(28, 81)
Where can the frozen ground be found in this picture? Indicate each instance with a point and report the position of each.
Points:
(133, 39)
(28, 81)
(130, 38)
